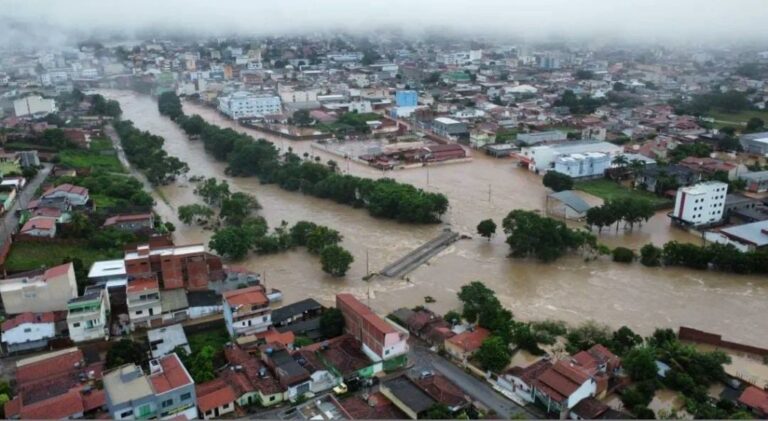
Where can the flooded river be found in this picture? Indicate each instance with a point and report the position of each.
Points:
(569, 289)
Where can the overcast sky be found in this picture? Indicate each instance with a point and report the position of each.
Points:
(645, 20)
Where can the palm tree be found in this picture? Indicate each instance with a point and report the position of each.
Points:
(620, 161)
(636, 166)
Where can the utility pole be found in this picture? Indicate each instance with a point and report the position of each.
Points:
(489, 192)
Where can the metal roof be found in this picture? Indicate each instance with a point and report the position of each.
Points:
(572, 200)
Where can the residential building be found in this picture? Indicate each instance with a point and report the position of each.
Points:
(215, 399)
(590, 164)
(188, 266)
(40, 227)
(167, 392)
(465, 344)
(132, 222)
(535, 138)
(143, 300)
(56, 385)
(381, 339)
(563, 386)
(756, 143)
(244, 104)
(542, 158)
(39, 291)
(163, 341)
(294, 378)
(450, 128)
(106, 271)
(702, 203)
(76, 195)
(407, 396)
(406, 98)
(88, 317)
(255, 382)
(757, 182)
(302, 310)
(28, 331)
(246, 311)
(756, 400)
(34, 106)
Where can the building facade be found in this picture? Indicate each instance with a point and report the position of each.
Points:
(246, 311)
(39, 292)
(88, 317)
(381, 340)
(144, 305)
(702, 203)
(244, 104)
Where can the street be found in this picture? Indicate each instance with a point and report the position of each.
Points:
(11, 220)
(424, 359)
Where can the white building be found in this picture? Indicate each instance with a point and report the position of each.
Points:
(28, 331)
(244, 104)
(164, 340)
(246, 311)
(87, 317)
(702, 203)
(144, 306)
(590, 164)
(39, 291)
(104, 271)
(34, 106)
(542, 158)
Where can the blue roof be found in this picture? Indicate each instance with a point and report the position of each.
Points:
(572, 200)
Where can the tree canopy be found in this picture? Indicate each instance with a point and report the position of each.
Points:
(557, 181)
(531, 235)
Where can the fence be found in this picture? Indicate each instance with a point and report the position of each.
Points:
(699, 336)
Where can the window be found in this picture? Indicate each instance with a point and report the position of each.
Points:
(76, 324)
(138, 312)
(264, 319)
(168, 402)
(272, 398)
(185, 396)
(27, 330)
(126, 414)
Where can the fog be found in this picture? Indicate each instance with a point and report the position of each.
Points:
(27, 22)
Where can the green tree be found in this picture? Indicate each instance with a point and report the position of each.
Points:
(650, 255)
(493, 354)
(236, 207)
(475, 298)
(557, 181)
(300, 232)
(755, 124)
(125, 351)
(332, 323)
(213, 192)
(587, 335)
(640, 364)
(529, 234)
(453, 317)
(320, 238)
(336, 260)
(486, 228)
(624, 340)
(623, 255)
(437, 411)
(169, 105)
(232, 242)
(189, 213)
(301, 118)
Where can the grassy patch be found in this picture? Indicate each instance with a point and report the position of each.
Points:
(30, 256)
(727, 119)
(215, 338)
(103, 159)
(104, 201)
(610, 190)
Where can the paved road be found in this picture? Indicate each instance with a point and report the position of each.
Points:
(10, 221)
(424, 359)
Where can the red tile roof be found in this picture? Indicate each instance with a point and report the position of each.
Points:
(94, 399)
(755, 398)
(39, 223)
(56, 271)
(246, 296)
(377, 407)
(173, 375)
(470, 341)
(366, 313)
(61, 406)
(560, 381)
(140, 285)
(50, 367)
(532, 372)
(112, 220)
(443, 390)
(11, 323)
(214, 394)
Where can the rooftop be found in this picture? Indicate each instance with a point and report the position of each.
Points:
(168, 374)
(755, 233)
(141, 285)
(246, 296)
(470, 340)
(127, 383)
(214, 394)
(408, 393)
(22, 318)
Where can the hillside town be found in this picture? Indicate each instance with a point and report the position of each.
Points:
(135, 281)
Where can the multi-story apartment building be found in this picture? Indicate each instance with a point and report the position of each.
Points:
(246, 311)
(143, 300)
(39, 291)
(88, 316)
(167, 392)
(590, 164)
(187, 266)
(244, 104)
(381, 339)
(701, 203)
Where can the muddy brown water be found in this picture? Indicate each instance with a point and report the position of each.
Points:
(569, 289)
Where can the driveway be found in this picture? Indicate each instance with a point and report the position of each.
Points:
(10, 221)
(424, 359)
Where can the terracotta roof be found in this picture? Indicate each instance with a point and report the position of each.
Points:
(19, 319)
(532, 372)
(62, 406)
(140, 285)
(366, 313)
(560, 381)
(470, 341)
(214, 394)
(47, 212)
(68, 188)
(267, 385)
(442, 390)
(39, 223)
(247, 296)
(12, 408)
(755, 398)
(590, 408)
(173, 375)
(49, 367)
(112, 220)
(94, 399)
(377, 407)
(56, 271)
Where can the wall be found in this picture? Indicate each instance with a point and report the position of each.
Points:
(694, 335)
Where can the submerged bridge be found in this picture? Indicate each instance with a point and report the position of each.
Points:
(417, 257)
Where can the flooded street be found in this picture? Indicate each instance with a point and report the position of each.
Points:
(569, 289)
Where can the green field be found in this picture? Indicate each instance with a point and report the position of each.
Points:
(103, 201)
(30, 256)
(736, 119)
(101, 156)
(610, 190)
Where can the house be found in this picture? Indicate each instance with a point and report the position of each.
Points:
(174, 305)
(246, 311)
(28, 331)
(102, 272)
(670, 176)
(39, 291)
(187, 266)
(343, 355)
(756, 400)
(427, 325)
(465, 344)
(131, 222)
(7, 196)
(700, 204)
(294, 378)
(535, 138)
(56, 385)
(76, 195)
(260, 385)
(168, 391)
(88, 317)
(711, 166)
(39, 226)
(215, 399)
(586, 165)
(563, 386)
(165, 340)
(755, 143)
(519, 380)
(757, 182)
(407, 396)
(144, 305)
(566, 204)
(542, 158)
(299, 311)
(443, 391)
(381, 339)
(375, 407)
(323, 376)
(450, 128)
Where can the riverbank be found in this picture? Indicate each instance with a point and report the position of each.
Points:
(639, 297)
